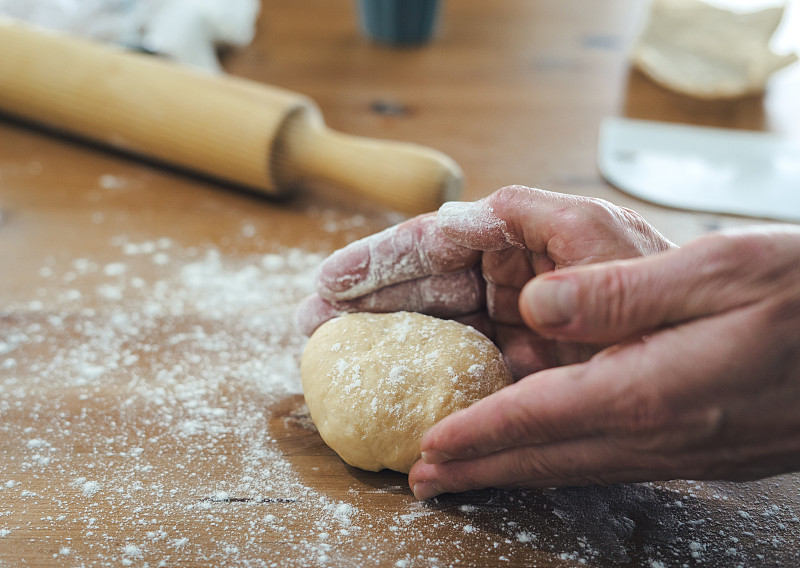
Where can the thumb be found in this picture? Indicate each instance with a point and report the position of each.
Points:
(611, 301)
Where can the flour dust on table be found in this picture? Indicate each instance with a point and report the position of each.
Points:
(151, 415)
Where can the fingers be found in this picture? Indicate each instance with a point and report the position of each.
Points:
(567, 229)
(413, 249)
(689, 401)
(598, 460)
(525, 231)
(612, 301)
(575, 462)
(634, 391)
(584, 424)
(443, 295)
(549, 230)
(537, 409)
(710, 392)
(312, 312)
(500, 221)
(592, 461)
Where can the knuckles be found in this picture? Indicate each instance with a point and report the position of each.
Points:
(511, 196)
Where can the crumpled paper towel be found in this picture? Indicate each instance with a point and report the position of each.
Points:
(709, 52)
(188, 31)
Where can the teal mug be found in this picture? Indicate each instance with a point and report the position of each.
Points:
(399, 22)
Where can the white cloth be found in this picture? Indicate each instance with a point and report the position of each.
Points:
(188, 31)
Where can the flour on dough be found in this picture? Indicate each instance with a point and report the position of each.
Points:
(375, 383)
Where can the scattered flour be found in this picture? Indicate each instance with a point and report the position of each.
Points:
(89, 488)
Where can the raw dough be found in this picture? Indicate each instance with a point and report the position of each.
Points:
(707, 52)
(375, 383)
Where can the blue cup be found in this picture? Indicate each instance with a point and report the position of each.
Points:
(399, 22)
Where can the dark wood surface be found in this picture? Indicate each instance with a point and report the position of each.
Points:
(150, 407)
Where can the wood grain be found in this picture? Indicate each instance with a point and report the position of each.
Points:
(150, 412)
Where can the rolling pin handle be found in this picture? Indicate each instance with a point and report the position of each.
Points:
(408, 177)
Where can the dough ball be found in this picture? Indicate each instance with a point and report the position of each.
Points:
(375, 383)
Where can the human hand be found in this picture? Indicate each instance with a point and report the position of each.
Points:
(470, 261)
(702, 380)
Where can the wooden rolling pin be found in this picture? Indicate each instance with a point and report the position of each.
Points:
(241, 131)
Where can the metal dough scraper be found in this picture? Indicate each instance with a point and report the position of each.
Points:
(718, 170)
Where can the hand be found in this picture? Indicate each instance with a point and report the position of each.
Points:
(471, 260)
(702, 380)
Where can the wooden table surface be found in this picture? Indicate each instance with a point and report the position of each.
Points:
(150, 406)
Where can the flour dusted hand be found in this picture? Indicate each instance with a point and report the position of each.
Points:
(638, 361)
(375, 383)
(701, 381)
(412, 266)
(470, 261)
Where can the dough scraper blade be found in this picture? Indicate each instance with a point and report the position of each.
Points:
(717, 170)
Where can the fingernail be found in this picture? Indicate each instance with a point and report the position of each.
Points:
(312, 312)
(551, 302)
(345, 273)
(433, 457)
(426, 490)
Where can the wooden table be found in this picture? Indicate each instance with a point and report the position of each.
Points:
(150, 407)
